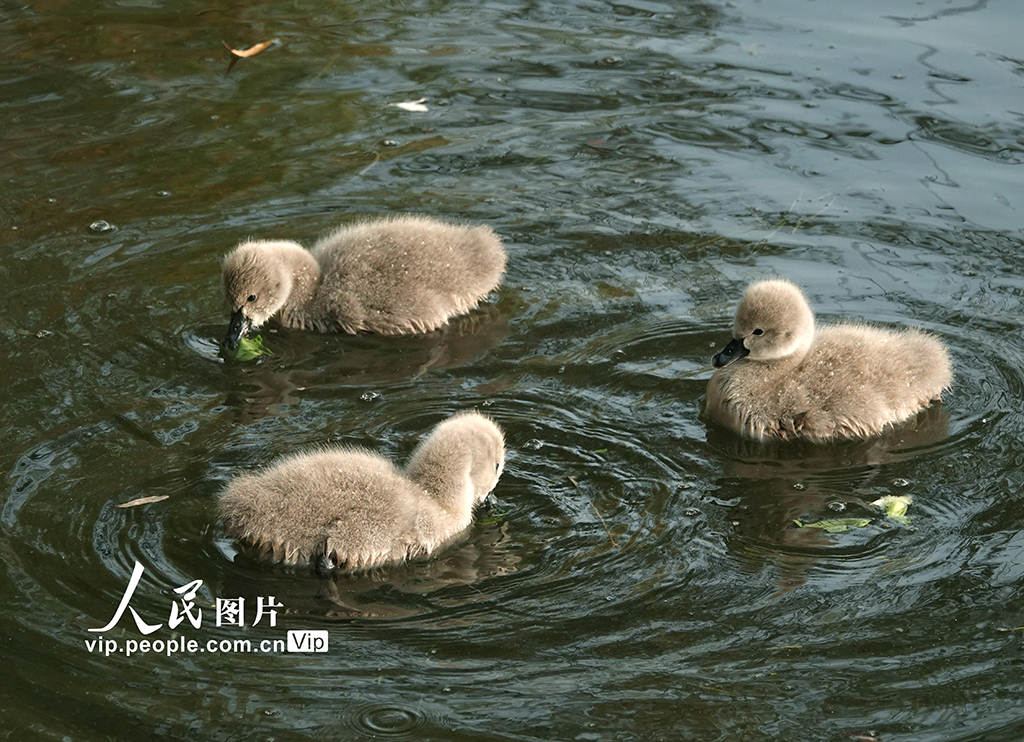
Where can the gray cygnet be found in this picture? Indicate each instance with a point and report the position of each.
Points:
(781, 377)
(395, 276)
(353, 509)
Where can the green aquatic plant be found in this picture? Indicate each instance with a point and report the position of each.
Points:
(250, 348)
(895, 507)
(495, 516)
(836, 525)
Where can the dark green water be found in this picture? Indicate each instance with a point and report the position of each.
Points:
(639, 576)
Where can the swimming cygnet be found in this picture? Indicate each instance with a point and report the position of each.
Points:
(395, 276)
(351, 508)
(781, 378)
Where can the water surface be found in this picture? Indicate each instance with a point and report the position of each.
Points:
(640, 575)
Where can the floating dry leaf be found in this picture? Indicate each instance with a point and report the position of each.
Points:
(251, 51)
(412, 105)
(142, 501)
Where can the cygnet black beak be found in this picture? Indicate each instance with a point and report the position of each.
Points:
(732, 352)
(240, 324)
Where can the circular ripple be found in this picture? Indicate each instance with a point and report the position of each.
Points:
(388, 721)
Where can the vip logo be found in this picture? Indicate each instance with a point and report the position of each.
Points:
(307, 641)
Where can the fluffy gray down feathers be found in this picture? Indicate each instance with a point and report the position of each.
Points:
(357, 509)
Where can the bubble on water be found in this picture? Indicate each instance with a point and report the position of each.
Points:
(534, 444)
(370, 396)
(901, 482)
(100, 226)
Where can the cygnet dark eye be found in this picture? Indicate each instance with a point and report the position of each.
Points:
(252, 297)
(497, 465)
(756, 332)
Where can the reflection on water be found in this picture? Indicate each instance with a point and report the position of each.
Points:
(450, 579)
(640, 573)
(796, 460)
(785, 483)
(305, 361)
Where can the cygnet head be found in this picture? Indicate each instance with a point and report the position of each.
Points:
(466, 445)
(256, 285)
(773, 321)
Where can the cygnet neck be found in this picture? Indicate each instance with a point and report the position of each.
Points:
(796, 356)
(304, 271)
(442, 467)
